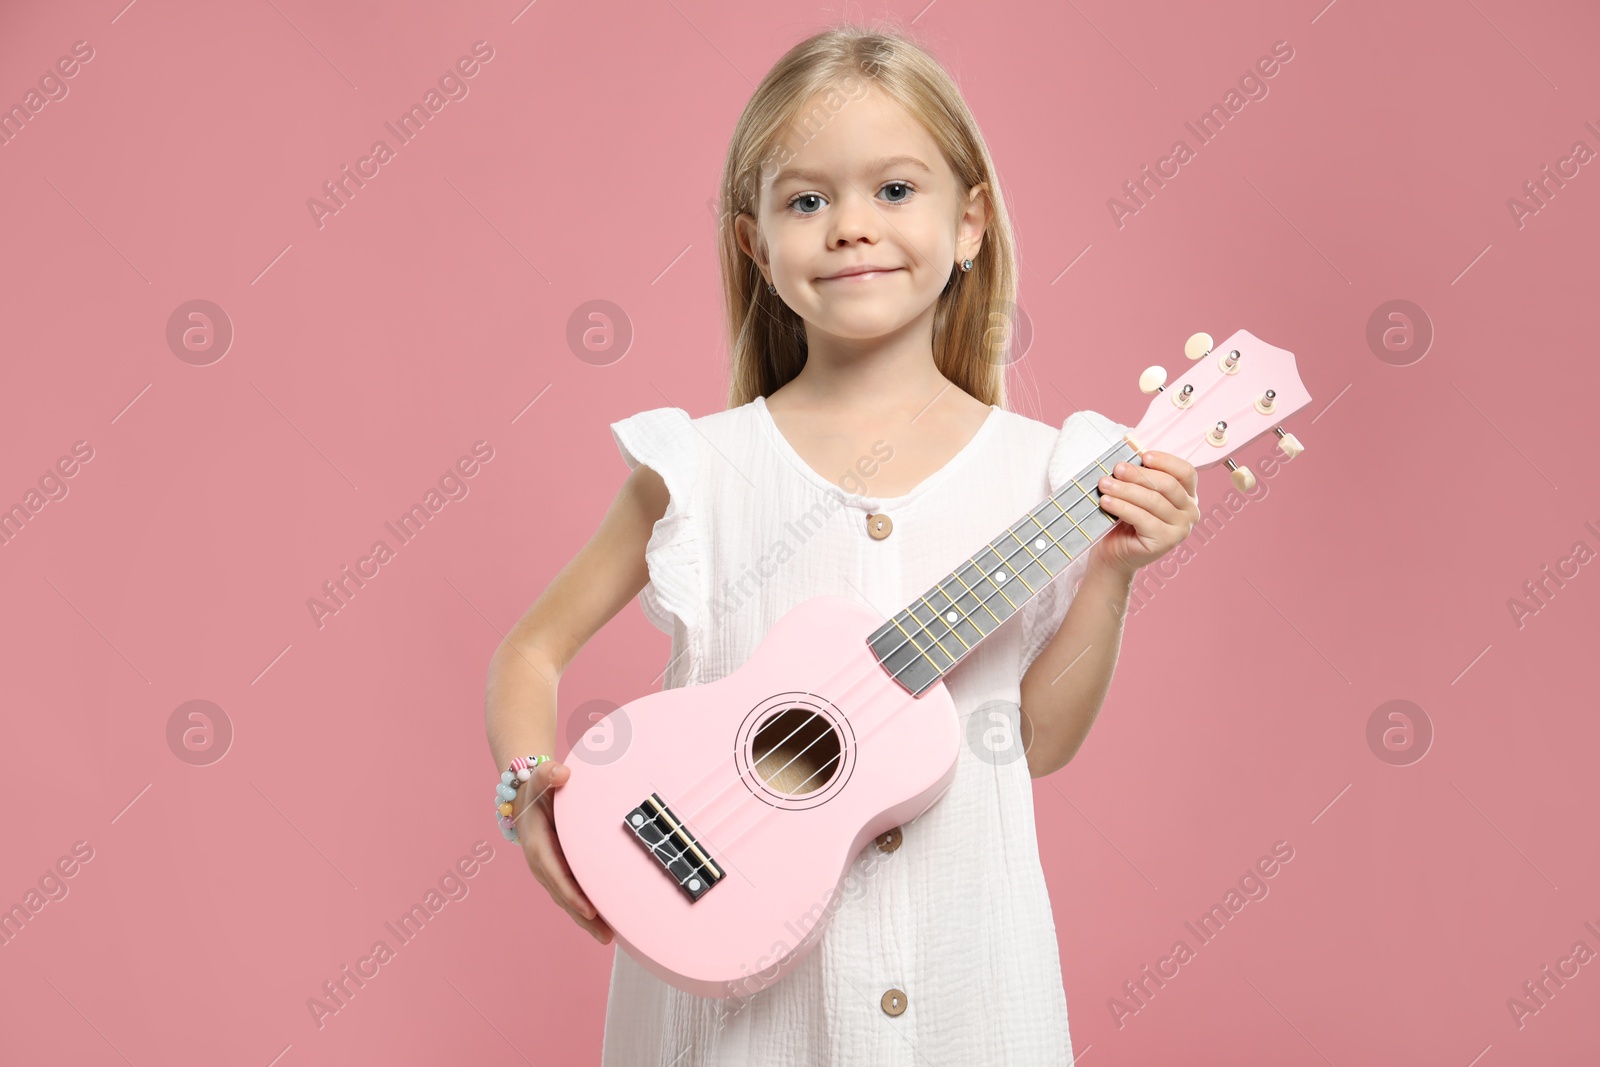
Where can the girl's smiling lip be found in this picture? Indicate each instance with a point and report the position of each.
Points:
(860, 276)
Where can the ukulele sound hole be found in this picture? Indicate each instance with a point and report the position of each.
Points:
(796, 752)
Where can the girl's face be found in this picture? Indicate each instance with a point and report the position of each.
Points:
(870, 188)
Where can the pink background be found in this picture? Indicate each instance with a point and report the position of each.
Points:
(371, 352)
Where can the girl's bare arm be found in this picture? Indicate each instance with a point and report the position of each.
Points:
(1066, 685)
(526, 668)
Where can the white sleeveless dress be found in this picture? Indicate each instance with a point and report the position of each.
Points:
(957, 918)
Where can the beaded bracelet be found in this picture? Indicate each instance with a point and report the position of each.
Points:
(522, 769)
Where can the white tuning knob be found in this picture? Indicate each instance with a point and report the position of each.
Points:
(1242, 478)
(1288, 444)
(1197, 345)
(1152, 379)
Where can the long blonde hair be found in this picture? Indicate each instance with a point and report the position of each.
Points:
(973, 319)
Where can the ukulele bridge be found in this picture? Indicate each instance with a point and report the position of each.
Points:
(663, 835)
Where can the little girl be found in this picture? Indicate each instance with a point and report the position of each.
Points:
(866, 258)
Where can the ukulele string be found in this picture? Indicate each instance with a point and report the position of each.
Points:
(983, 601)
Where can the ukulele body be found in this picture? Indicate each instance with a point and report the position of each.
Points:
(713, 831)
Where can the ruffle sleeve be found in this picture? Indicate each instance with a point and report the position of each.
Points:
(1083, 438)
(663, 440)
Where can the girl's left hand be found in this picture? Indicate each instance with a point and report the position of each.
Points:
(1158, 504)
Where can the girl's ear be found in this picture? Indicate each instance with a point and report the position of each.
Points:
(973, 222)
(747, 234)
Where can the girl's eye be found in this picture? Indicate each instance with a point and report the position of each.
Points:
(902, 185)
(804, 196)
(907, 194)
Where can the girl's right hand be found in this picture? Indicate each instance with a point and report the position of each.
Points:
(536, 827)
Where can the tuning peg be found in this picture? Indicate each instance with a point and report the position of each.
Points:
(1242, 478)
(1197, 345)
(1152, 380)
(1288, 444)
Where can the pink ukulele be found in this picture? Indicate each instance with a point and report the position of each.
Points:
(714, 844)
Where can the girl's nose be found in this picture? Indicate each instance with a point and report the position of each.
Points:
(854, 217)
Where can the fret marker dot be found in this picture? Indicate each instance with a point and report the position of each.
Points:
(1000, 575)
(1039, 544)
(694, 884)
(950, 616)
(638, 820)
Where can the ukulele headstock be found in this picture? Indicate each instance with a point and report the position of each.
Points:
(1233, 393)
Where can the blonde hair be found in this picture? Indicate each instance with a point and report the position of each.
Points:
(973, 317)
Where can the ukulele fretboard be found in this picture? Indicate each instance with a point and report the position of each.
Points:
(935, 632)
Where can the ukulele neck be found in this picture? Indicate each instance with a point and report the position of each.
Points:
(937, 630)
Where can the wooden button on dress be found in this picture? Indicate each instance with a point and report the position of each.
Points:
(879, 526)
(889, 840)
(894, 1002)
